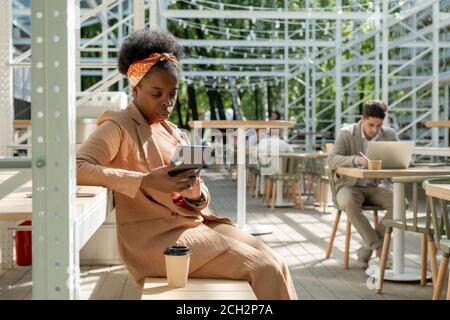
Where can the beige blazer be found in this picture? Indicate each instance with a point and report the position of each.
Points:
(348, 145)
(116, 156)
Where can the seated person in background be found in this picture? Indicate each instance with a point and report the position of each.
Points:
(268, 142)
(269, 146)
(264, 142)
(130, 153)
(393, 123)
(352, 193)
(275, 115)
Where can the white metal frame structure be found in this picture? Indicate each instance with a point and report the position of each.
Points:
(395, 28)
(408, 67)
(55, 264)
(6, 99)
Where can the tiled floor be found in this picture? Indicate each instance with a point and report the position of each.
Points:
(300, 236)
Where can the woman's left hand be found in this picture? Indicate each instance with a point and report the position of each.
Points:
(193, 193)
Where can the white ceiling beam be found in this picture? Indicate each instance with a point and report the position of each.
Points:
(255, 43)
(423, 44)
(444, 16)
(236, 61)
(402, 15)
(393, 44)
(92, 12)
(267, 14)
(270, 74)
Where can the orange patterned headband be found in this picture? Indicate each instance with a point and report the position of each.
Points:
(139, 69)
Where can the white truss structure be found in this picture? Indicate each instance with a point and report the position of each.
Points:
(316, 53)
(407, 65)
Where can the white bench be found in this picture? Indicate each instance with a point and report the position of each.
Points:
(198, 289)
(92, 206)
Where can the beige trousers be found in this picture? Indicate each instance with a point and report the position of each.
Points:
(250, 259)
(351, 199)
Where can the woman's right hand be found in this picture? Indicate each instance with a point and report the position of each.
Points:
(160, 180)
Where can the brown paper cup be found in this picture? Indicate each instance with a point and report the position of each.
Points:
(375, 164)
(177, 265)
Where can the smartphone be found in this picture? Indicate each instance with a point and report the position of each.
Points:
(190, 157)
(185, 167)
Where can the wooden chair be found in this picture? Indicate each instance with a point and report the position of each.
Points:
(348, 228)
(329, 147)
(323, 180)
(416, 224)
(441, 225)
(288, 173)
(254, 173)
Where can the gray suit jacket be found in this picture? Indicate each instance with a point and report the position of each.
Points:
(348, 145)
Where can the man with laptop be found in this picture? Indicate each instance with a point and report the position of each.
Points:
(352, 193)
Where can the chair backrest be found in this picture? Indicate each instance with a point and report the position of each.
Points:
(416, 182)
(101, 102)
(329, 147)
(293, 165)
(287, 166)
(440, 219)
(321, 165)
(90, 110)
(331, 173)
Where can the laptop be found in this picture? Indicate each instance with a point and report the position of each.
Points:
(394, 154)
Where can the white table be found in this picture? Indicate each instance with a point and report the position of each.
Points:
(438, 124)
(93, 204)
(432, 151)
(241, 127)
(398, 272)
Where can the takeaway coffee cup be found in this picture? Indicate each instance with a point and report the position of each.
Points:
(375, 164)
(177, 265)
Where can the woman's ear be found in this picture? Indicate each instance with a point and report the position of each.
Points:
(134, 92)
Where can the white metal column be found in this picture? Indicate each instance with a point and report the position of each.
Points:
(120, 36)
(414, 84)
(154, 14)
(55, 268)
(377, 55)
(338, 101)
(286, 72)
(435, 85)
(385, 53)
(308, 144)
(241, 179)
(446, 106)
(139, 14)
(162, 21)
(105, 40)
(6, 85)
(313, 82)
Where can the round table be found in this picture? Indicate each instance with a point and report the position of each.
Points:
(241, 126)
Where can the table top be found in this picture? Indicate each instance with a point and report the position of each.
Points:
(198, 289)
(390, 173)
(432, 151)
(310, 133)
(292, 155)
(18, 204)
(441, 191)
(310, 155)
(433, 124)
(233, 124)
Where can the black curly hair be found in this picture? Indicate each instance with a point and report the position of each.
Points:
(374, 108)
(141, 43)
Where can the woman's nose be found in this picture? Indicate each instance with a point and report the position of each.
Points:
(169, 102)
